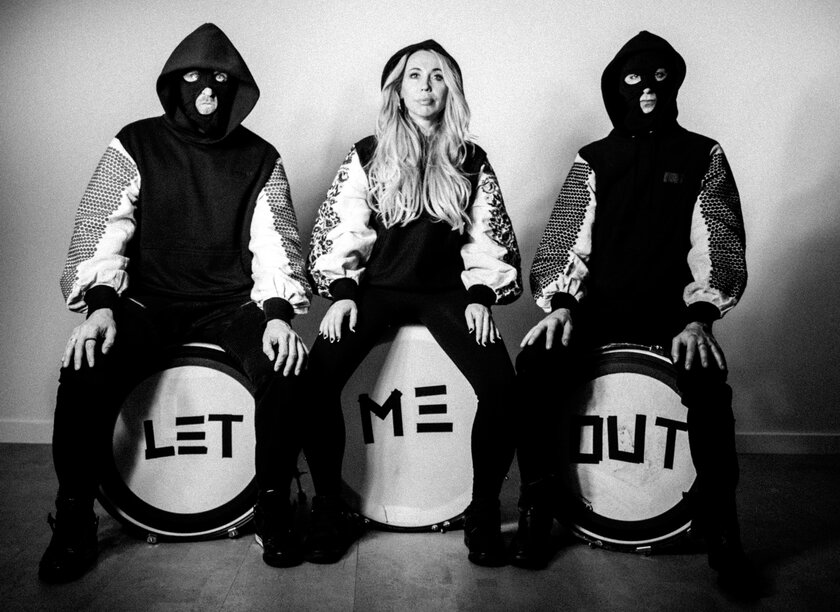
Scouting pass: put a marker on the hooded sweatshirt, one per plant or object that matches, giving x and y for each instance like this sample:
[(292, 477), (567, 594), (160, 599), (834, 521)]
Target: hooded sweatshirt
[(647, 233), (352, 248), (178, 214)]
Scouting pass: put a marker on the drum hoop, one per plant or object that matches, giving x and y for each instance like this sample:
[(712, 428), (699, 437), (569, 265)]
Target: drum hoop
[(142, 518), (651, 361), (632, 534), (631, 358)]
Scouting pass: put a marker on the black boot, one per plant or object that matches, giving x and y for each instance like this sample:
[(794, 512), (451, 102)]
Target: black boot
[(531, 547), (332, 530), (737, 575), (273, 519), (72, 551), (483, 534)]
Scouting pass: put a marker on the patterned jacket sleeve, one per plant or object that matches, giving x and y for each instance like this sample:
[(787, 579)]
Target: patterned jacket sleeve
[(717, 255), (342, 239), (560, 264), (491, 253), (103, 227), (277, 265)]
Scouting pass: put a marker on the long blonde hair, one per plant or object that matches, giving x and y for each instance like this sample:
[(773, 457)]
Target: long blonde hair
[(411, 172)]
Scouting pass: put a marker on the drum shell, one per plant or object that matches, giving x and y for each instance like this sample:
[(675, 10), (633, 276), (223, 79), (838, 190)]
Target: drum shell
[(194, 480), (627, 463), (415, 475)]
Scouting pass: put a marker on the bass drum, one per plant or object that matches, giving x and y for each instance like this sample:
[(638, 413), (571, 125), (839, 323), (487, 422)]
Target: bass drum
[(409, 414), (181, 465), (628, 463)]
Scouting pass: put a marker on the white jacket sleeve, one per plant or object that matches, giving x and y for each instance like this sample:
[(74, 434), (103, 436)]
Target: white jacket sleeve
[(561, 262), (277, 264), (717, 256), (103, 227), (342, 239), (491, 253)]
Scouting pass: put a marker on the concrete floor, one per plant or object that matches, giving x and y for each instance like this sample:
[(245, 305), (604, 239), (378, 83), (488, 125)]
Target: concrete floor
[(790, 521)]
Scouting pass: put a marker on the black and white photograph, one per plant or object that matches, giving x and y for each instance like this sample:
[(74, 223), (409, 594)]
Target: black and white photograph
[(407, 306)]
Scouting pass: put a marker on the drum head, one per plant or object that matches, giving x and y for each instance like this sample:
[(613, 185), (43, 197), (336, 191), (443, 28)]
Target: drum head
[(181, 461), (629, 465), (409, 413)]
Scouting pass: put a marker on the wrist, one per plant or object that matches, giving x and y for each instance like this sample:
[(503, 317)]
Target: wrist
[(561, 299), (278, 308), (99, 297), (481, 294), (344, 289)]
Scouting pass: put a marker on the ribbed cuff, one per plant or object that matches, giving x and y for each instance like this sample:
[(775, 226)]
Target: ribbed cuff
[(702, 312), (278, 308), (344, 289), (564, 300), (101, 296), (482, 294)]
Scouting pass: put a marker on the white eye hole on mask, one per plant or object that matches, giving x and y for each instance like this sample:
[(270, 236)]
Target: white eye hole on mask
[(630, 79), (191, 76), (220, 77), (661, 74)]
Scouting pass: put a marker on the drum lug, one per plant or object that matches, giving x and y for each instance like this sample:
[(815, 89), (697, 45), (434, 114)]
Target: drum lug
[(151, 538), (644, 550), (233, 533), (445, 526), (436, 528)]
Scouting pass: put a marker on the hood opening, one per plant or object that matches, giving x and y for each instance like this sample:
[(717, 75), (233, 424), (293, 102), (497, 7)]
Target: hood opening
[(644, 41), (207, 48)]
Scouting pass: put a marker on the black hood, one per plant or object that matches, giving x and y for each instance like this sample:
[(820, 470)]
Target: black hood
[(210, 49), (642, 42)]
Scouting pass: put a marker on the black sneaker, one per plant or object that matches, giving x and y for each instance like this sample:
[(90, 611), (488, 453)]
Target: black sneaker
[(483, 534), (73, 549), (273, 520), (332, 530)]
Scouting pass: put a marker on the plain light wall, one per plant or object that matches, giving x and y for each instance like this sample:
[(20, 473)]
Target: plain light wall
[(762, 79)]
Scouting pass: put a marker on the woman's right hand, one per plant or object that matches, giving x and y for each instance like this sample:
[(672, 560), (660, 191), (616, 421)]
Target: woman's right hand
[(332, 322)]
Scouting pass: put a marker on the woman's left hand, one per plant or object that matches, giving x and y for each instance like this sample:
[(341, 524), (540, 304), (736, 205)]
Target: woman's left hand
[(480, 322)]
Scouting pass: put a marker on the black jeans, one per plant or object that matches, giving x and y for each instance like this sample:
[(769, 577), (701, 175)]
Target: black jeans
[(710, 421), (487, 368), (89, 398)]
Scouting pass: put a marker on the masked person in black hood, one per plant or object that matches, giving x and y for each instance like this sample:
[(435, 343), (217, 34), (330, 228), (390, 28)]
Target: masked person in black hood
[(185, 233), (645, 245), (414, 229)]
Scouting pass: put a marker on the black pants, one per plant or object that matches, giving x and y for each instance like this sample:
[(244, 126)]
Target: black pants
[(89, 398), (711, 430), (487, 368)]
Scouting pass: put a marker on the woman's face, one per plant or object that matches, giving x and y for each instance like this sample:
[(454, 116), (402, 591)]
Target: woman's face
[(423, 90)]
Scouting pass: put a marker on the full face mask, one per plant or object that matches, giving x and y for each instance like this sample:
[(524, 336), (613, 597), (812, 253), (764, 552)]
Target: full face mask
[(206, 96), (647, 89)]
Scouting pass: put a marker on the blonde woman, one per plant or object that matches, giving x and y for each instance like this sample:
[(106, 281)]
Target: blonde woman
[(414, 229)]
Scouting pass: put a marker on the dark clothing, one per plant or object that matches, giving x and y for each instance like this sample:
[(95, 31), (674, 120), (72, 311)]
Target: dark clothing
[(646, 236), (424, 255), (422, 272), (351, 249), (88, 399), (618, 109), (198, 228), (207, 48), (704, 392), (193, 234), (649, 188), (487, 368)]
